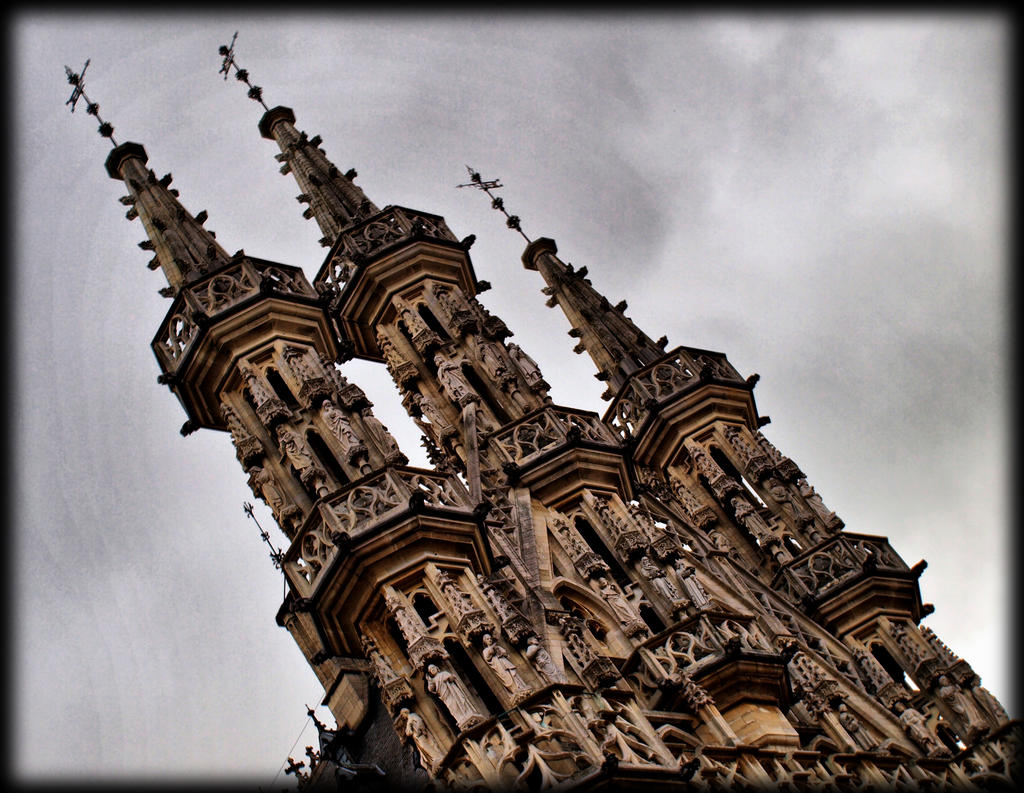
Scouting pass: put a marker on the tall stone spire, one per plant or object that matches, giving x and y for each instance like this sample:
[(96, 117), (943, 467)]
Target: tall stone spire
[(184, 249), (616, 345), (332, 197)]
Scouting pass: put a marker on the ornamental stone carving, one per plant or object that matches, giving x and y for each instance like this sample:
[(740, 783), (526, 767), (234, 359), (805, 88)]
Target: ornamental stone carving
[(450, 690)]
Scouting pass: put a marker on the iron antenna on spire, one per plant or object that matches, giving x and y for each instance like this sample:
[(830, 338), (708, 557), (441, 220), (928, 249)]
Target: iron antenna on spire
[(228, 51), (77, 80), (497, 202)]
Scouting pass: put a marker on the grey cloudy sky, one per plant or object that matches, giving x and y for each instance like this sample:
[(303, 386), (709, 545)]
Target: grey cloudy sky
[(822, 198)]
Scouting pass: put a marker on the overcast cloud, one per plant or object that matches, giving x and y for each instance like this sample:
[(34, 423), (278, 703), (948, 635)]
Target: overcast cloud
[(823, 198)]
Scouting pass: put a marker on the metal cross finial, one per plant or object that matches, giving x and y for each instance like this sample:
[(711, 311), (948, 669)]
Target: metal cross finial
[(229, 56), (512, 221), (276, 555), (92, 108), (228, 51)]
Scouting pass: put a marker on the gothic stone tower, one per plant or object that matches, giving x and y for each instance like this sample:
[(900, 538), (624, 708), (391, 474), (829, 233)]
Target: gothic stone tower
[(656, 597)]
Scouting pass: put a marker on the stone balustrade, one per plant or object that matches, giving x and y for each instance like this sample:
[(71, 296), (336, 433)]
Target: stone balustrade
[(365, 239), (656, 383), (206, 299), (358, 509)]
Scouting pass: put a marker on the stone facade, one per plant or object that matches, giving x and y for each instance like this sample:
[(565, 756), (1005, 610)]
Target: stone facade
[(656, 596)]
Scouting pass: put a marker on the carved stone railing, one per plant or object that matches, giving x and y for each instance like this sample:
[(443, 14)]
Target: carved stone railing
[(822, 569), (547, 429), (557, 739), (367, 238), (358, 509), (203, 301), (681, 369), (700, 641)]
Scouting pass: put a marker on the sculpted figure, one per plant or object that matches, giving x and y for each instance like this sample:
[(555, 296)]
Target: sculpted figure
[(917, 730), (391, 356), (454, 383), (616, 602), (432, 412), (340, 428), (451, 692), (491, 358), (526, 365), (814, 500), (294, 448), (262, 482), (658, 579), (793, 509), (416, 729), (497, 658), (853, 726), (960, 705), (694, 589), (384, 440), (746, 515), (542, 661)]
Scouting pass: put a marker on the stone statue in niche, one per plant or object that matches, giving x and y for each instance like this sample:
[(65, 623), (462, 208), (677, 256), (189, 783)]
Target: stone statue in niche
[(694, 589), (659, 581), (298, 453), (433, 413), (623, 612), (754, 523), (916, 728), (492, 359), (263, 484), (416, 729), (341, 429), (497, 658), (854, 728), (453, 381), (792, 508), (960, 705), (449, 689), (542, 661), (828, 518), (382, 438), (527, 367)]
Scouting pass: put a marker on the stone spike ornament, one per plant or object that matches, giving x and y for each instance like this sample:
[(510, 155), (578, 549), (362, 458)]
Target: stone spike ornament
[(653, 598)]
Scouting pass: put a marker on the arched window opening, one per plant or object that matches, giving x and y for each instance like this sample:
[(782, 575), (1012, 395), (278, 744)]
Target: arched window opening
[(247, 396), (466, 671), (284, 393), (650, 616), (424, 606), (892, 666), (594, 540), (324, 454), (792, 545), (428, 316), (726, 465)]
